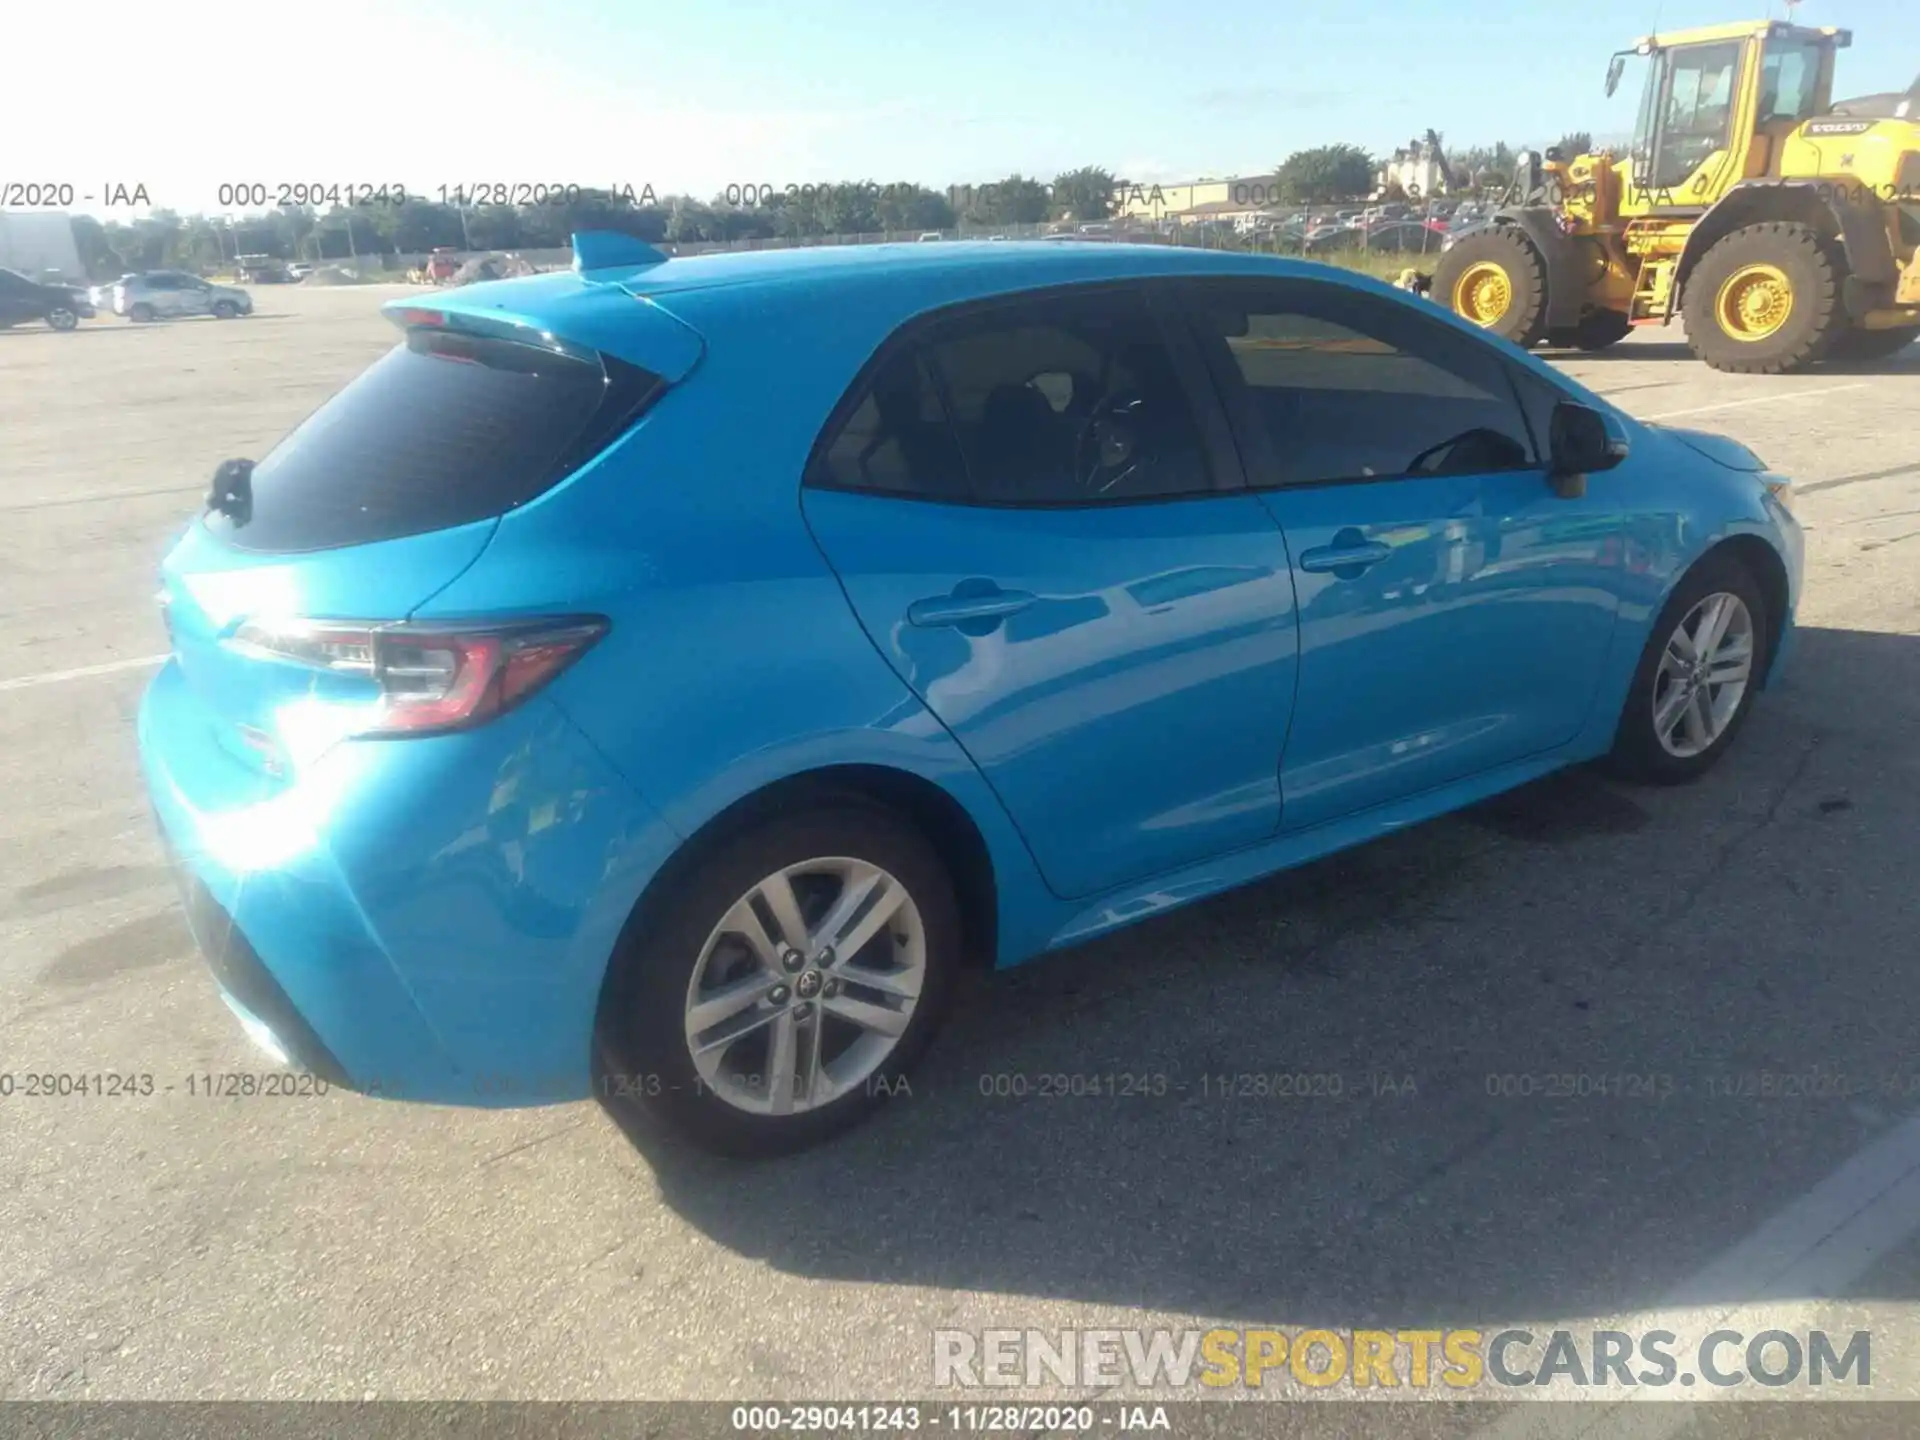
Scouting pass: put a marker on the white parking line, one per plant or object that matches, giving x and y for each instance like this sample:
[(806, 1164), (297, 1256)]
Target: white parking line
[(1759, 400), (1802, 1257), (55, 677)]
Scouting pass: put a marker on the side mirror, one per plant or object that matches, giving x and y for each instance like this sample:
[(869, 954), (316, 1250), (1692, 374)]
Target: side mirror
[(1580, 443), (1616, 67)]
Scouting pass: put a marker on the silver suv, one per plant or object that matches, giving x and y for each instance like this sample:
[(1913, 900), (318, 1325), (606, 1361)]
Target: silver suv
[(159, 294)]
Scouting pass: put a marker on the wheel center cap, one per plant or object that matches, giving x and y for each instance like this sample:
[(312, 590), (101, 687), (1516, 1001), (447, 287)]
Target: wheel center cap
[(808, 985)]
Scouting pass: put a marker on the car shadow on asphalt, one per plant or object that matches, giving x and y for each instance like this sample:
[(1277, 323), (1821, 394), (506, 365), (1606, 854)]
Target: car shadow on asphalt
[(1503, 1064)]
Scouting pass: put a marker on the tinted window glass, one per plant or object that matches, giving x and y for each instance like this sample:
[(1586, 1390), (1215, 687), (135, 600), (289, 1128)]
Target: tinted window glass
[(1069, 399), (1789, 77), (1339, 386), (445, 429), (896, 440)]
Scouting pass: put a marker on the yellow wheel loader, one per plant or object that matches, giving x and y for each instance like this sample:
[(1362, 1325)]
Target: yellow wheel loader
[(1782, 228)]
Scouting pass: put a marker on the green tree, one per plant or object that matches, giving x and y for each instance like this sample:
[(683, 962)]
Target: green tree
[(98, 258), (421, 225), (1328, 172), (691, 220), (149, 243), (495, 227), (1488, 168), (1015, 200), (1084, 194), (914, 207)]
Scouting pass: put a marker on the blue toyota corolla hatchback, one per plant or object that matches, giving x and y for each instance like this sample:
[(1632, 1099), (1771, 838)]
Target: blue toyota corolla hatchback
[(657, 681)]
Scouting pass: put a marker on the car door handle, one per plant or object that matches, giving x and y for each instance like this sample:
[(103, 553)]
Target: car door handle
[(968, 609), (1355, 556)]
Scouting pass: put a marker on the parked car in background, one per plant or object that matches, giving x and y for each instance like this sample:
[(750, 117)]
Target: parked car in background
[(1334, 237), (932, 235), (60, 306), (170, 294), (299, 270), (534, 730), (101, 296), (261, 269), (1408, 235)]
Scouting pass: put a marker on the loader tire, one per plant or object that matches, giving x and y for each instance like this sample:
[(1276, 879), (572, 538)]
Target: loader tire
[(1596, 331), (1870, 344), (1764, 300), (1496, 279)]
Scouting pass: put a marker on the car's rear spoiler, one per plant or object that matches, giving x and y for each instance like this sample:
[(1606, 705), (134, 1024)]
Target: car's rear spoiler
[(567, 307)]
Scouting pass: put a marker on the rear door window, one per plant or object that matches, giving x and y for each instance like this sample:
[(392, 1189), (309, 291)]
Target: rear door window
[(1070, 399), (895, 440), (446, 429)]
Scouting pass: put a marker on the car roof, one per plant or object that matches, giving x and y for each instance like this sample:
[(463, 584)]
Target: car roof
[(867, 290), (900, 278), (982, 267)]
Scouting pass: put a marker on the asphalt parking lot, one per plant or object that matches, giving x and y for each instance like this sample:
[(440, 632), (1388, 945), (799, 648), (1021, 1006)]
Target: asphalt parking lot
[(1765, 920)]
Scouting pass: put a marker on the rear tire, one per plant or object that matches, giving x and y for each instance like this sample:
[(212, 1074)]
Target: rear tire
[(1596, 331), (1870, 344), (1497, 280), (1639, 750), (1764, 300), (692, 954), (61, 318)]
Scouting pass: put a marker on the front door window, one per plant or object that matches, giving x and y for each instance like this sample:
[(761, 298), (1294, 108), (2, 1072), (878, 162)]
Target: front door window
[(1694, 110)]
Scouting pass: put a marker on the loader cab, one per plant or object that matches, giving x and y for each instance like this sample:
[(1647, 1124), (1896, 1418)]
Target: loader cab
[(1715, 107)]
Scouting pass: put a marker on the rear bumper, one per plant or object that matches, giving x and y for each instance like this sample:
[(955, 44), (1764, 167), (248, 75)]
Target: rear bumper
[(424, 919)]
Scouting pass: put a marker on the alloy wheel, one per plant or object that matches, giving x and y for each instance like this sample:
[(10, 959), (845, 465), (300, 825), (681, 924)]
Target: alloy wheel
[(806, 986), (1703, 675)]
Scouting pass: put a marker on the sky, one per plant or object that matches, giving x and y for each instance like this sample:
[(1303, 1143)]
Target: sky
[(694, 97)]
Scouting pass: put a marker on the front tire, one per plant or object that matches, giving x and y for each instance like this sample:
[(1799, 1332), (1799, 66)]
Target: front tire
[(61, 318), (788, 983), (1764, 300), (1497, 280), (141, 313), (225, 310), (1697, 678)]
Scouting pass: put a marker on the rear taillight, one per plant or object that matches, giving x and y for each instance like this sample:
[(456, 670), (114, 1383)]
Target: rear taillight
[(428, 679)]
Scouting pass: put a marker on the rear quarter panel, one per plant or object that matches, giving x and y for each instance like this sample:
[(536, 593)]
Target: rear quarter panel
[(733, 660)]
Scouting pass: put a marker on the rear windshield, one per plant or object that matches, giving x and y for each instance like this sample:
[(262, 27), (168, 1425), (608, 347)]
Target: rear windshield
[(445, 429)]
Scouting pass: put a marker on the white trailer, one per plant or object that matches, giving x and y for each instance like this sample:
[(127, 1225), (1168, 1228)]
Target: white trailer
[(40, 245)]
